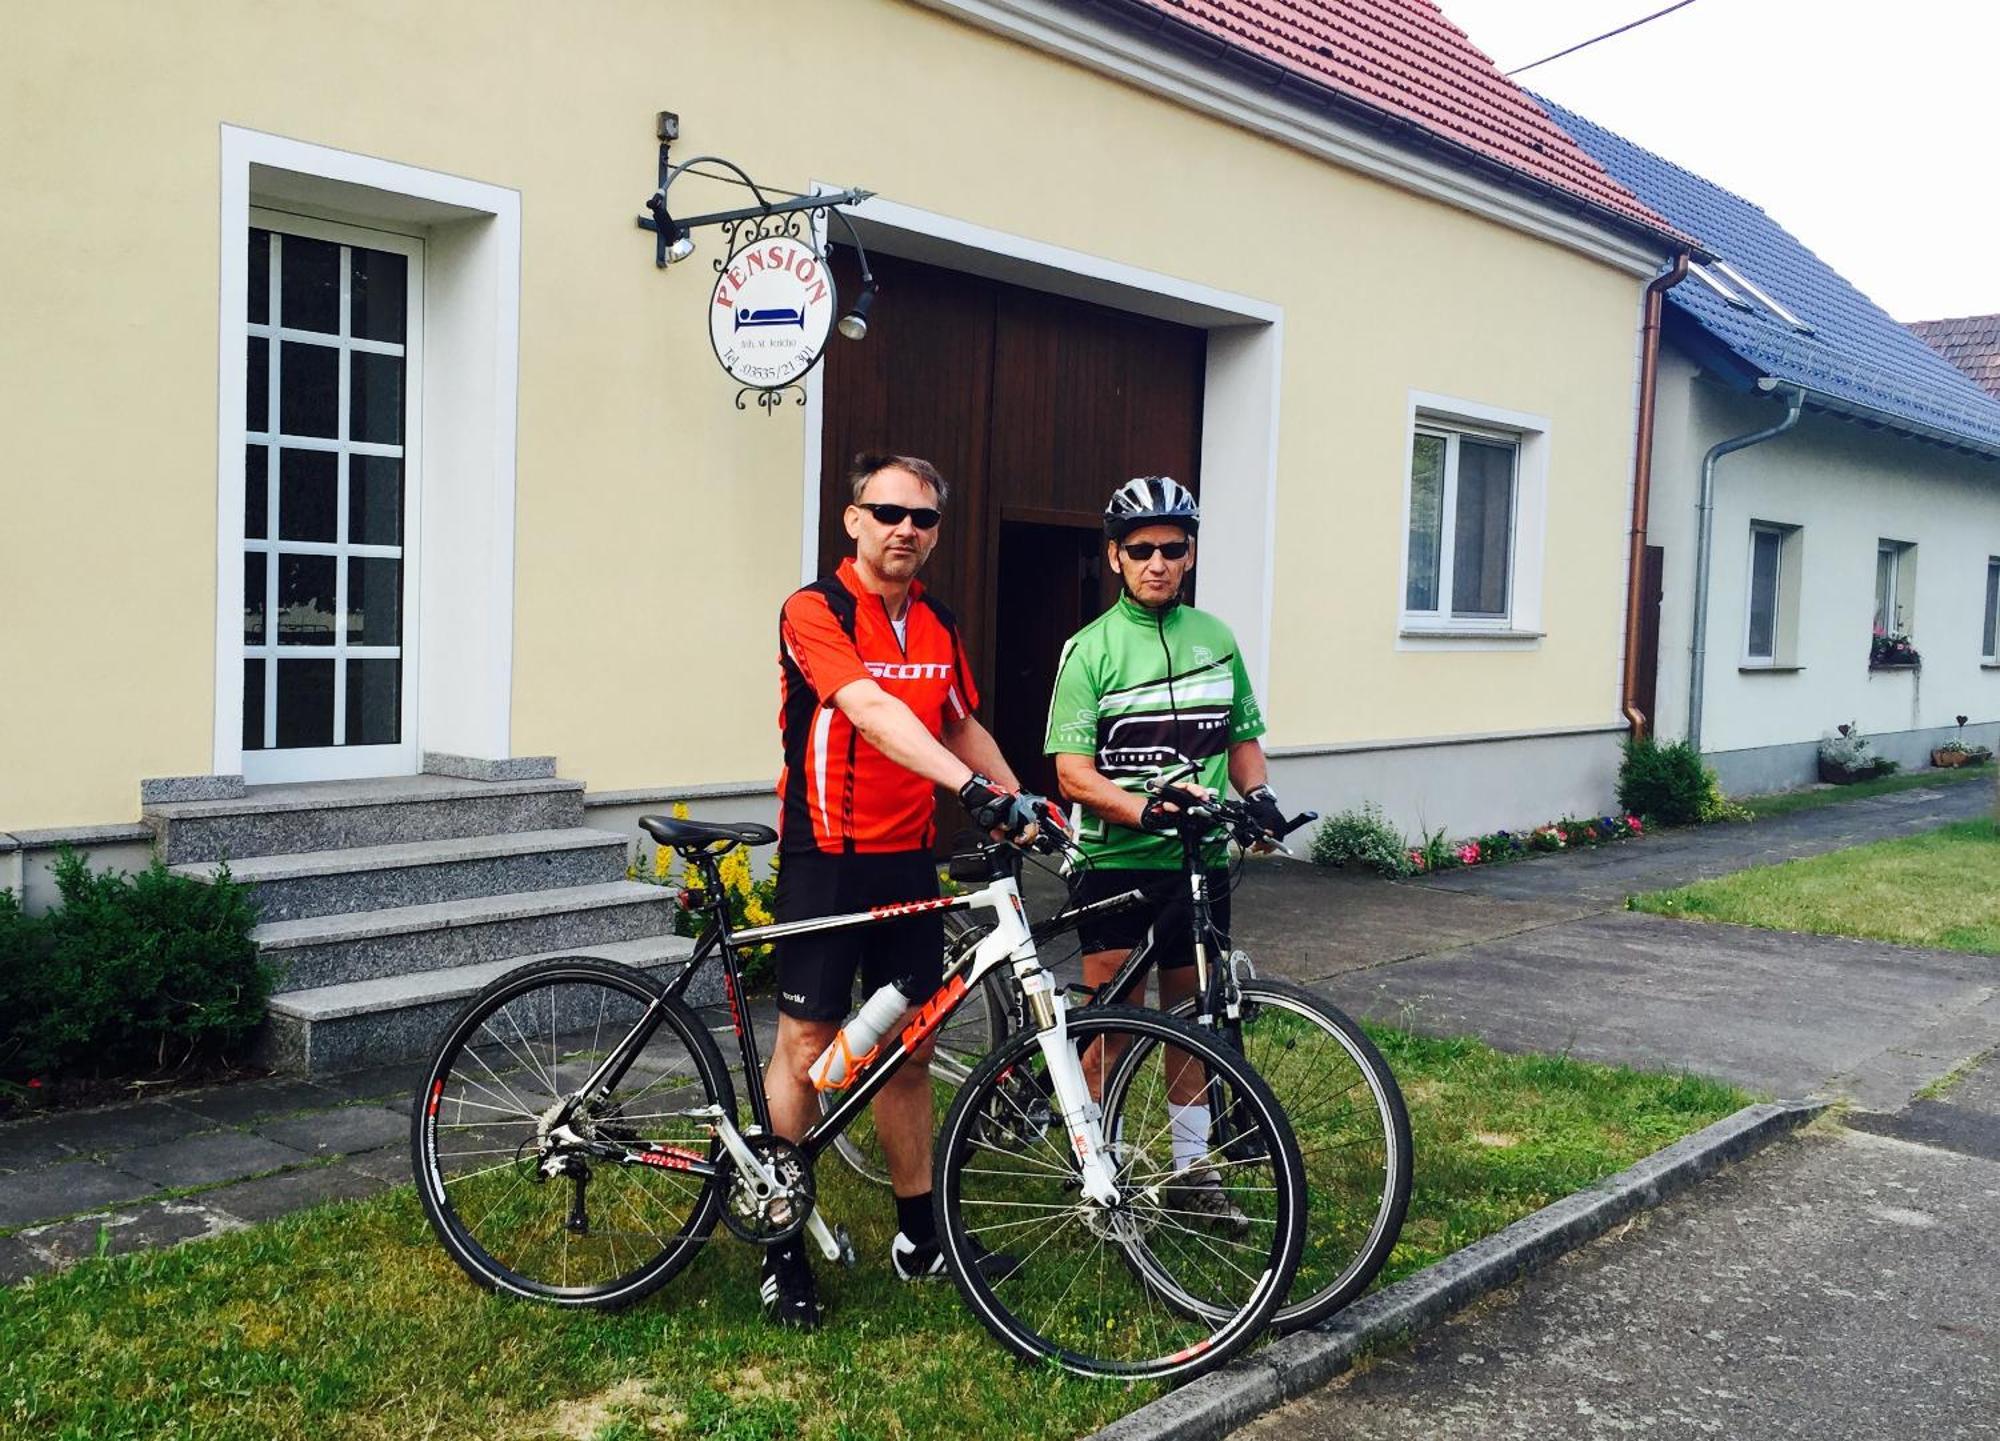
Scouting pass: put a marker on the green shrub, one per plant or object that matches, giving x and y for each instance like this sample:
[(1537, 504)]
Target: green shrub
[(1669, 784), (1362, 837), (147, 971)]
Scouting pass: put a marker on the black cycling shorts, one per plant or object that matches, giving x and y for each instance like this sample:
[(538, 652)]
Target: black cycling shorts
[(1170, 918), (816, 973)]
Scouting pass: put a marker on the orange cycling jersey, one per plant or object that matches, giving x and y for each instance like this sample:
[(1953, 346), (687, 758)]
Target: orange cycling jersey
[(837, 792)]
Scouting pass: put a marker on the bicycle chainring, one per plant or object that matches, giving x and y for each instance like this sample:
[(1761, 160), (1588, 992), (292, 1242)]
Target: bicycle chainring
[(766, 1220)]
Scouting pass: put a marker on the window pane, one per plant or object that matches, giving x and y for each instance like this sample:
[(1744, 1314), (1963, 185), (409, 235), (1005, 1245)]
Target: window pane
[(1483, 529), (308, 494), (374, 702), (310, 279), (260, 280), (308, 389), (375, 403), (1426, 522), (1764, 548), (256, 492), (374, 596), (253, 597), (380, 284), (1992, 606), (305, 703), (253, 705), (1885, 590), (305, 601), (257, 385), (374, 500)]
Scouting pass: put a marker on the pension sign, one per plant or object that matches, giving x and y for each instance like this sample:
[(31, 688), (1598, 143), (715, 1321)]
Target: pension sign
[(771, 311)]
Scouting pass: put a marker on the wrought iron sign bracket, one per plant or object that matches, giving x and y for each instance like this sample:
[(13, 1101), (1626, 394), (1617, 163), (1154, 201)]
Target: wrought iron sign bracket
[(776, 306)]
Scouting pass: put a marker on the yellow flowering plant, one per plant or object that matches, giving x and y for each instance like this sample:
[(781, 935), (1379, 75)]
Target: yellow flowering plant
[(749, 899)]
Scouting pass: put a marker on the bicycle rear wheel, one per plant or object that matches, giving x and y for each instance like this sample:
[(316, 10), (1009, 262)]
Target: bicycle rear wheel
[(1353, 1133), (973, 1030), (1106, 1290), (596, 1232)]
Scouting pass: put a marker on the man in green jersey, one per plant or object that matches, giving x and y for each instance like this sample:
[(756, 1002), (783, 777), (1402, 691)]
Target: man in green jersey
[(1150, 684)]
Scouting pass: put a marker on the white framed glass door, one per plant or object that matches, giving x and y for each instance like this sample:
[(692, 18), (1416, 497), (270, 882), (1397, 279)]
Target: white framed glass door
[(333, 340)]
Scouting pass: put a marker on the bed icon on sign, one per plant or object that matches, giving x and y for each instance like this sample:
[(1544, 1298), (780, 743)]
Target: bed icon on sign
[(750, 319)]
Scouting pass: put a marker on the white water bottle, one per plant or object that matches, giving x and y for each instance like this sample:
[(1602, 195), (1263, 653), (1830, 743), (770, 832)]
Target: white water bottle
[(838, 1065)]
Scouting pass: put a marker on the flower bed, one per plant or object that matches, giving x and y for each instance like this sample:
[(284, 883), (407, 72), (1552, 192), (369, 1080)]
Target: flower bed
[(1567, 834)]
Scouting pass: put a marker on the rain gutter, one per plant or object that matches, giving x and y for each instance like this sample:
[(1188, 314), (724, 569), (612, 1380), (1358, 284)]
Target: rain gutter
[(1642, 480)]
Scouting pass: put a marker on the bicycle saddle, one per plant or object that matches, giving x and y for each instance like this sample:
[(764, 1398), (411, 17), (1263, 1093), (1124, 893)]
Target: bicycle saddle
[(672, 831)]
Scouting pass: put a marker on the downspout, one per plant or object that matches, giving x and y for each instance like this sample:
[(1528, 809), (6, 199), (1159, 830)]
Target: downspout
[(1795, 400), (1642, 479)]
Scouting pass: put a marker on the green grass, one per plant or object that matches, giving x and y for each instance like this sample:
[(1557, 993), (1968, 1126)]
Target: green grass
[(350, 1321), (1940, 889), (1785, 802)]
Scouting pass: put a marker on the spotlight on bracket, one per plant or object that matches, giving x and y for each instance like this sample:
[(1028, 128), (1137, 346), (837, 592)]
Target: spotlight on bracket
[(854, 324), (679, 243)]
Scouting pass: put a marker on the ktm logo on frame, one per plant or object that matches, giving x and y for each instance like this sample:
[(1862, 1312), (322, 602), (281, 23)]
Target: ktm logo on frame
[(908, 670)]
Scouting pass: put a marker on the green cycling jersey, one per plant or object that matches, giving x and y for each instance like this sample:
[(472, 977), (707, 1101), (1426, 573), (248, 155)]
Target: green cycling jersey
[(1138, 690)]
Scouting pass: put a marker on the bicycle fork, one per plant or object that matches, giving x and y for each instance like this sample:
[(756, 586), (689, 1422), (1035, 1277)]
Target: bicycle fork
[(1082, 1117)]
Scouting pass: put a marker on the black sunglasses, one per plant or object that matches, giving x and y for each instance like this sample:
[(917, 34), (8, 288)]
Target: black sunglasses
[(1142, 550), (921, 516)]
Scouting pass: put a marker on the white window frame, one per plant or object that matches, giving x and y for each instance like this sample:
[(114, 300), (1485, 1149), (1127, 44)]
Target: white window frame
[(1452, 416), (1785, 599), (1989, 619), (1902, 619)]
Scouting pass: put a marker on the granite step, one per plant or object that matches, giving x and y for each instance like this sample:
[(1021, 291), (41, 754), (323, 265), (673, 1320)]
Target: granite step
[(402, 1018), (408, 873), (317, 951), (331, 815)]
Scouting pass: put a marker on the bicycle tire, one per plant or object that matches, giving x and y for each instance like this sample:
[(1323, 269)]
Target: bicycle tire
[(969, 1035), (1356, 1148), (1119, 1308), (486, 1091)]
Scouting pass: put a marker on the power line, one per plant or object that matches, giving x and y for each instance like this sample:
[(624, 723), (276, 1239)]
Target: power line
[(1585, 44)]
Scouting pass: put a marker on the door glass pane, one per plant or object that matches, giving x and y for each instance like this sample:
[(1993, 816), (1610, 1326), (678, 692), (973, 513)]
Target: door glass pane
[(256, 492), (305, 601), (375, 398), (380, 283), (374, 500), (373, 601), (1992, 607), (260, 277), (253, 705), (308, 494), (305, 703), (309, 272), (1764, 548), (257, 384), (254, 571), (1426, 522), (1483, 528), (308, 389), (374, 702)]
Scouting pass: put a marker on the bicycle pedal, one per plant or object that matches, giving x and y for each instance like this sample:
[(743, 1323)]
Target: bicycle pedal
[(845, 1241)]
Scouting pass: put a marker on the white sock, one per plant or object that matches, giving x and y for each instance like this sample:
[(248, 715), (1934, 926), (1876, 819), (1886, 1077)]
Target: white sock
[(1189, 1125)]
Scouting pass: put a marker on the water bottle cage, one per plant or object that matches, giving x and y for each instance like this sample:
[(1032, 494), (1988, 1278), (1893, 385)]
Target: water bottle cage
[(851, 1065)]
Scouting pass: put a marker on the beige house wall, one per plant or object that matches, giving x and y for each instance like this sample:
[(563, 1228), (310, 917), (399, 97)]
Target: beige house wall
[(647, 505)]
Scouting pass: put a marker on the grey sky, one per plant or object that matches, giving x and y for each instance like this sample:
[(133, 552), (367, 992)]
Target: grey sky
[(1867, 130)]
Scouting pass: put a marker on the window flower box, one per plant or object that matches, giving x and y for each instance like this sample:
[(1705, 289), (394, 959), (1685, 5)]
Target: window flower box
[(1893, 652)]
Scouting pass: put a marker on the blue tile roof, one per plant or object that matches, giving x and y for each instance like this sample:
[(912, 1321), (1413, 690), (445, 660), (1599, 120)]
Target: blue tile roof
[(1857, 361)]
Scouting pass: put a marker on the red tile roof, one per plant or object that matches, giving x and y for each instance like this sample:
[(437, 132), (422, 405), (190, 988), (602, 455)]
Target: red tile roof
[(1404, 60), (1970, 342)]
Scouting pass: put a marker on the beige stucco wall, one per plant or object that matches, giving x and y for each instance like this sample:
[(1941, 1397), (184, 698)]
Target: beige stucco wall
[(646, 503)]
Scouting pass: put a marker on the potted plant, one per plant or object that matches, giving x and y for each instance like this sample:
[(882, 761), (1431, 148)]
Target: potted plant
[(1958, 752), (1845, 757), (1892, 652)]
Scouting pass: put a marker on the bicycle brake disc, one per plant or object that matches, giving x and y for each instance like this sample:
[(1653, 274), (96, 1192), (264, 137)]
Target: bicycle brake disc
[(767, 1219)]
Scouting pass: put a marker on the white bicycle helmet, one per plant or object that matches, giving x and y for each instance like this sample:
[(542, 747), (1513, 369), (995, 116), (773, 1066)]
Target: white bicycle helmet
[(1150, 500)]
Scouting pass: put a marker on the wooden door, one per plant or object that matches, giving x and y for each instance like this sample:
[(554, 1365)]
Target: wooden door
[(1645, 691)]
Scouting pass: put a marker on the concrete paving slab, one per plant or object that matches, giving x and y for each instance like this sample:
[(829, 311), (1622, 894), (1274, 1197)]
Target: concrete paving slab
[(1777, 1013), (118, 1128), (339, 1132), (376, 1083), (38, 1141), (247, 1101), (272, 1196), (115, 1233), (204, 1160), (64, 1190), (1839, 1289), (17, 1262), (390, 1164)]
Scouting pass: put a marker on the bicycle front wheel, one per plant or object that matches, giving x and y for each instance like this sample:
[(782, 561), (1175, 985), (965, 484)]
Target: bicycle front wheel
[(1353, 1133), (543, 1211), (1155, 1286)]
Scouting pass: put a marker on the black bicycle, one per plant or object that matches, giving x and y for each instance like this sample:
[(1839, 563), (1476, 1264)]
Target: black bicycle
[(577, 1139), (1337, 1091)]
